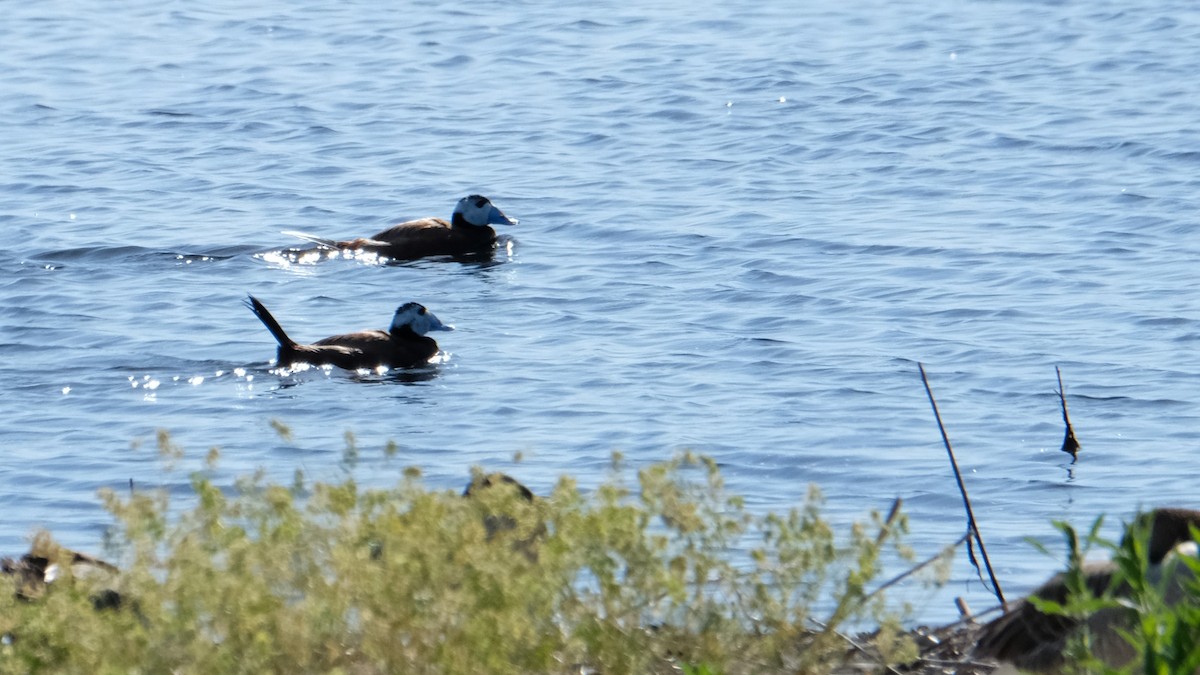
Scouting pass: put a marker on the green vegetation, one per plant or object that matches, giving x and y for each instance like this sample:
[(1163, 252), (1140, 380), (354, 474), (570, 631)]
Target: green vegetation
[(331, 577), (1157, 608)]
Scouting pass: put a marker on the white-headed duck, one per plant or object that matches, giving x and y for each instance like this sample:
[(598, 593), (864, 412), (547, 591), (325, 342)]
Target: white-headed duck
[(35, 571), (467, 232), (1025, 638), (509, 510), (404, 345)]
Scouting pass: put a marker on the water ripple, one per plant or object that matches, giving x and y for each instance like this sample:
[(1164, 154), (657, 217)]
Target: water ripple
[(741, 227)]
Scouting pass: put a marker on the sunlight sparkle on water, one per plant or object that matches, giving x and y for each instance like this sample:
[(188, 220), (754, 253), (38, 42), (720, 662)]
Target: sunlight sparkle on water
[(146, 382), (367, 257)]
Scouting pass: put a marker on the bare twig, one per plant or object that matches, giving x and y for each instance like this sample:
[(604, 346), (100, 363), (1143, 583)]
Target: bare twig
[(962, 488), (963, 608), (853, 598), (886, 529), (913, 570), (1070, 444), (859, 647)]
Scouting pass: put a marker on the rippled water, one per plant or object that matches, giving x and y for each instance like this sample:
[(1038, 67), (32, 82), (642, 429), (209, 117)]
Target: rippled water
[(742, 226)]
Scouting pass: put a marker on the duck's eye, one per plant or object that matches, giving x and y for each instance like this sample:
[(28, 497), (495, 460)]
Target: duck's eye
[(480, 202)]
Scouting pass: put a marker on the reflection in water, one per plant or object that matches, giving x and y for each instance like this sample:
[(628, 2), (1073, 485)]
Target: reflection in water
[(288, 257), (287, 378)]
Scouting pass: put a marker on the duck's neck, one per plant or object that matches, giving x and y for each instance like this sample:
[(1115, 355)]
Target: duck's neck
[(458, 220), (405, 333)]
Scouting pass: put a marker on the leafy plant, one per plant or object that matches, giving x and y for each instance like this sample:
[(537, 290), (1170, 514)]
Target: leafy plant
[(1158, 609), (671, 574)]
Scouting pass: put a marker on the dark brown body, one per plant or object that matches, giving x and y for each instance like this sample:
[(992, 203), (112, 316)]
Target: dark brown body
[(467, 233), (33, 572), (509, 510), (397, 348), (427, 237), (1033, 641)]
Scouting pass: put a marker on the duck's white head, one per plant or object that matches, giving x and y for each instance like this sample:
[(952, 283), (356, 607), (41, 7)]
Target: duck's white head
[(1188, 548), (417, 318), (478, 210)]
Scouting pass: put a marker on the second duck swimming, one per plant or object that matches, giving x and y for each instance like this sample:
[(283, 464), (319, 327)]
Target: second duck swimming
[(404, 345), (468, 232)]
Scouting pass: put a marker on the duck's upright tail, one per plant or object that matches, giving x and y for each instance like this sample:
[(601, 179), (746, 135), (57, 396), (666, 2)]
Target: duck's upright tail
[(312, 238), (285, 343)]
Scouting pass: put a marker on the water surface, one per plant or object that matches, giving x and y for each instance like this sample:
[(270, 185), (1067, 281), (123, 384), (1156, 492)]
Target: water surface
[(742, 226)]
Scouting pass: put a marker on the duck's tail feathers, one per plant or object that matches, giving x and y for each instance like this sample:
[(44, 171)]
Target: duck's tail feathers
[(313, 239), (269, 321)]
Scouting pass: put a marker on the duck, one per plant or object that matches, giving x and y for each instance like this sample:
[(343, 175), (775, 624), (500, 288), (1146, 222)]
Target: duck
[(1026, 639), (34, 572), (468, 232), (404, 345), (509, 511)]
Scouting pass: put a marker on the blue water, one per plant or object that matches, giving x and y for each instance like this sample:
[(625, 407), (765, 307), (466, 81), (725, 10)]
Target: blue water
[(742, 226)]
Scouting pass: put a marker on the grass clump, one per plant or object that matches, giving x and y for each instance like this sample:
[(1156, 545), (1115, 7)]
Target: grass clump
[(1152, 607), (331, 577)]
